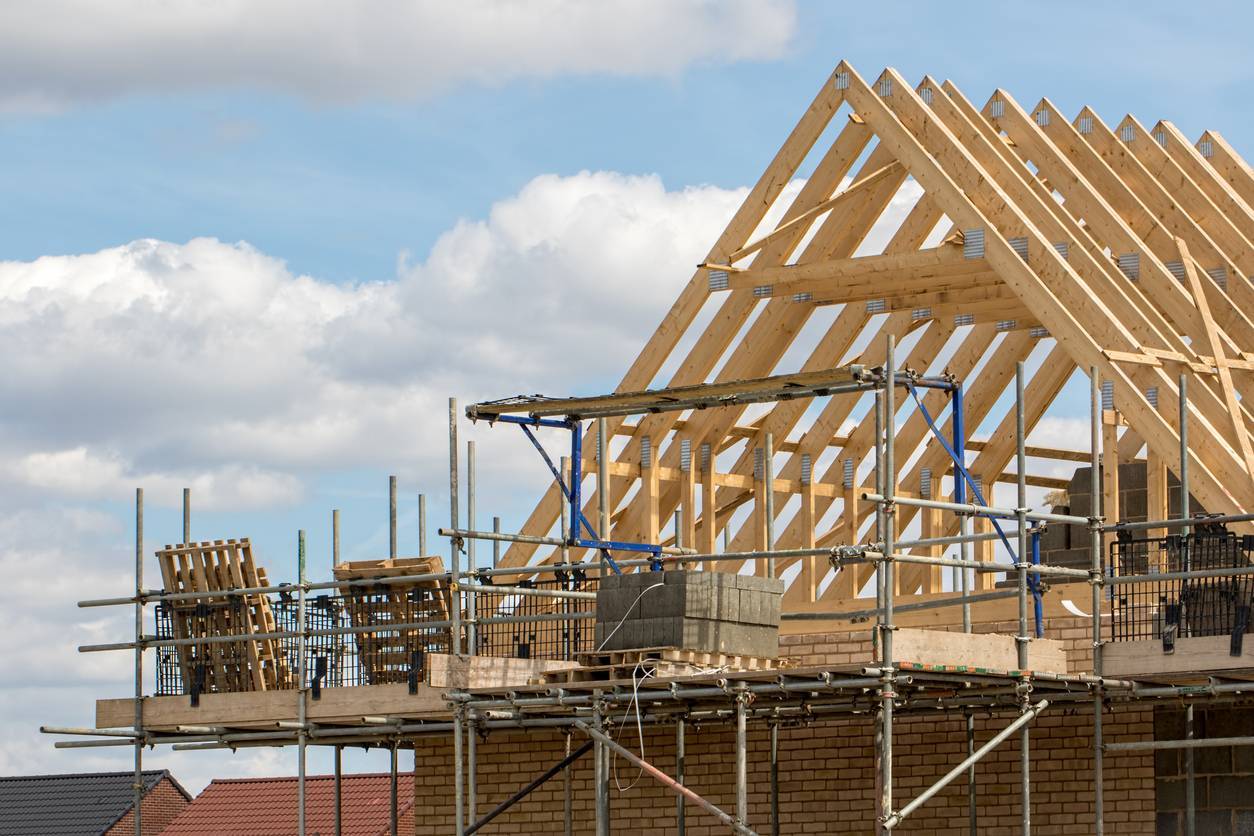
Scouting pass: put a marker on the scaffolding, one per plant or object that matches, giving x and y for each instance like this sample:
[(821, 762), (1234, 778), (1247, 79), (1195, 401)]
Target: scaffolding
[(880, 691)]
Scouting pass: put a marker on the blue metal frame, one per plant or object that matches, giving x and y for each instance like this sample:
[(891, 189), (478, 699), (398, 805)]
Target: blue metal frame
[(572, 493), (1034, 582)]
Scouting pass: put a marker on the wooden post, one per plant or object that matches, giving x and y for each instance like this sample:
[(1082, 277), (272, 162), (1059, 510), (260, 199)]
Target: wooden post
[(649, 485), (1155, 492), (709, 513), (810, 574), (759, 509), (1110, 468), (932, 526), (687, 497)]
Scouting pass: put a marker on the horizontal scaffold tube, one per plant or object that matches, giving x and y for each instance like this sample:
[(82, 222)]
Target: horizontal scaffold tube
[(981, 566), (937, 604), (1196, 743), (977, 510), (1179, 523)]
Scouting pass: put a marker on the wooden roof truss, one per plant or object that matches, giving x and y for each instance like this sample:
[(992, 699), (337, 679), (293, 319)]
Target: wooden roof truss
[(1066, 244)]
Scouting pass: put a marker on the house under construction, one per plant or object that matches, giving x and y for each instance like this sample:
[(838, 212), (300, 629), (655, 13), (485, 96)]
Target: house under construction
[(803, 571)]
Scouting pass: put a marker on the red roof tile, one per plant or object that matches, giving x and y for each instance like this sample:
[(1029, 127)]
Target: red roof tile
[(267, 807)]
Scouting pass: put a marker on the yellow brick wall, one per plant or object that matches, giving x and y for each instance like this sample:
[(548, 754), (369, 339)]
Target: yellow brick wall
[(827, 773)]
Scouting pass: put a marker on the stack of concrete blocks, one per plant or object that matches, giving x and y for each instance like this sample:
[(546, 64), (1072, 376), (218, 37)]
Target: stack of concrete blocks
[(714, 612), (1068, 545)]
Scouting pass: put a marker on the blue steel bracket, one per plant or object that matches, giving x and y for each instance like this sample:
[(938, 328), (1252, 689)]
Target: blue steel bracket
[(577, 514)]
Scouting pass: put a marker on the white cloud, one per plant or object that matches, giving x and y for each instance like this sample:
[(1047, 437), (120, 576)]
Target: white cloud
[(54, 52), (212, 365)]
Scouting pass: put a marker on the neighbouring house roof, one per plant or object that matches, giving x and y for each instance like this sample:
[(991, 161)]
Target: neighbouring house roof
[(69, 805), (267, 807)]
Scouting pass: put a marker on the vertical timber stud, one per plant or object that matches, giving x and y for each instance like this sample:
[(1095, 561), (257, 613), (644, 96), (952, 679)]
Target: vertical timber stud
[(709, 512), (687, 522), (768, 479), (187, 515), (651, 488), (1021, 638), (759, 509), (810, 572), (1095, 581), (302, 696), (138, 786)]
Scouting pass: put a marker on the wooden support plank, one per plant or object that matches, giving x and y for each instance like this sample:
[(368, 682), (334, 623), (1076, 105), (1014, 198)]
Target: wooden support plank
[(809, 215), (1194, 655), (976, 650)]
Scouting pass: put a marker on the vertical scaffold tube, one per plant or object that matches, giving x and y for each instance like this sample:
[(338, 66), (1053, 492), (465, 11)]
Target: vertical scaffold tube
[(1021, 638), (679, 775), (301, 674), (742, 754), (138, 787), (455, 564), (887, 687), (1095, 554)]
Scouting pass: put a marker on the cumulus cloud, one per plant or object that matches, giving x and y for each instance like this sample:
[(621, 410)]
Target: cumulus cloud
[(56, 52), (211, 364)]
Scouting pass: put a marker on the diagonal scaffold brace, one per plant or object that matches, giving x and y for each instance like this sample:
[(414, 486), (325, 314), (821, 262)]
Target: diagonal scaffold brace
[(665, 780), (1022, 720)]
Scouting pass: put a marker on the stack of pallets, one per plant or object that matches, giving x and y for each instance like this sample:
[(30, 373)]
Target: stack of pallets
[(653, 661), (386, 653), (244, 665)]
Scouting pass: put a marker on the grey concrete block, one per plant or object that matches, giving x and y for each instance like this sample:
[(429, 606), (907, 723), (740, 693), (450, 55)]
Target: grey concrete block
[(700, 601), (757, 584), (728, 599), (700, 634)]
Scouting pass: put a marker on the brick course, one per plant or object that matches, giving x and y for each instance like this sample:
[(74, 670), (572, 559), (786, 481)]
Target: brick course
[(162, 803), (827, 771)]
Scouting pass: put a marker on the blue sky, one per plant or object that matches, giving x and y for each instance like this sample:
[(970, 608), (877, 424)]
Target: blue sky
[(415, 184)]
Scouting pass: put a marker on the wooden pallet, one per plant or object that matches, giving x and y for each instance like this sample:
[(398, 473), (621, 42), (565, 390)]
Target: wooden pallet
[(386, 655), (247, 665), (654, 661)]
